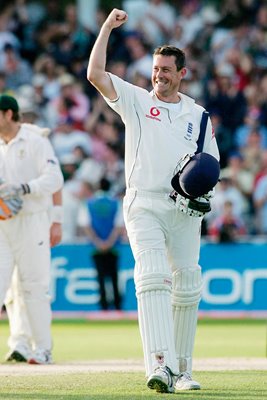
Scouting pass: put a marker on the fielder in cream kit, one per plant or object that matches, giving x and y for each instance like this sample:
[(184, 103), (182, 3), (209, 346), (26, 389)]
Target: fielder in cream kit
[(165, 241), (29, 169)]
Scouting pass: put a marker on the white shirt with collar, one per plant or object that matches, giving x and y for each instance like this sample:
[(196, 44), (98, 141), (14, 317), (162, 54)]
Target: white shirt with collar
[(157, 135), (29, 158)]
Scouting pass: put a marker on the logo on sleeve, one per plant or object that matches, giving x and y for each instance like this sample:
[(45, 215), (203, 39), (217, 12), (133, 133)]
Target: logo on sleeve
[(189, 131), (154, 113)]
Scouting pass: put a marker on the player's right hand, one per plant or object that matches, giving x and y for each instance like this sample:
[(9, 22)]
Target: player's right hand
[(116, 18)]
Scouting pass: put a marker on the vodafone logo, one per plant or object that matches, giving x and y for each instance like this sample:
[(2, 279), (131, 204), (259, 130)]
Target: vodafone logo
[(153, 113)]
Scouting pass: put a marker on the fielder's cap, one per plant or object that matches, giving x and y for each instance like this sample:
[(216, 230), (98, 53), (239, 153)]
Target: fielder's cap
[(8, 103), (198, 177)]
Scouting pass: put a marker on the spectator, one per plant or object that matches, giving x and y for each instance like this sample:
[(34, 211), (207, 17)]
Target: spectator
[(66, 138), (251, 123), (46, 65), (223, 137), (17, 70), (103, 224), (190, 21), (223, 97), (240, 177), (226, 190), (252, 152), (71, 105), (156, 22), (141, 59), (227, 228), (260, 204)]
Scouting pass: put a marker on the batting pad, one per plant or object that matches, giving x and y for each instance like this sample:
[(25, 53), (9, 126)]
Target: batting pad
[(186, 293), (153, 291)]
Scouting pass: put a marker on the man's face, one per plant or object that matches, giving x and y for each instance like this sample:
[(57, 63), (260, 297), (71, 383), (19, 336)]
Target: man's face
[(4, 121), (8, 127), (165, 77)]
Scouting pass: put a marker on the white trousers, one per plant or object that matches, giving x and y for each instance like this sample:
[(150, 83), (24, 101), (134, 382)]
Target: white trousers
[(25, 242), (163, 241), (19, 328)]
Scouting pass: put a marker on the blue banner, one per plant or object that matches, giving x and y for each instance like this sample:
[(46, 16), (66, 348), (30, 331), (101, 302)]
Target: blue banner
[(235, 278)]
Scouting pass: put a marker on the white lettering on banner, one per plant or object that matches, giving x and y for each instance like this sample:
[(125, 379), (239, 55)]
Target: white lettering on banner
[(80, 280), (57, 272), (124, 276), (250, 277), (77, 283), (215, 274), (242, 285), (80, 285)]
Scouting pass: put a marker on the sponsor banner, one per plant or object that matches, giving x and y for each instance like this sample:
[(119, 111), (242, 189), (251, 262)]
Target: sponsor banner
[(235, 278)]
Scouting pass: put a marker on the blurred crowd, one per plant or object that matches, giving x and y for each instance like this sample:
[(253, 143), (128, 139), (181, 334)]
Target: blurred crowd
[(44, 52)]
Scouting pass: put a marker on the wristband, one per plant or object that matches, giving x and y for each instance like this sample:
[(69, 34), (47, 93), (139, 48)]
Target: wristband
[(57, 215), (25, 189)]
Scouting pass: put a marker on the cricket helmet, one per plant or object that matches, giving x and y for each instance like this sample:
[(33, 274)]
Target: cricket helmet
[(196, 176)]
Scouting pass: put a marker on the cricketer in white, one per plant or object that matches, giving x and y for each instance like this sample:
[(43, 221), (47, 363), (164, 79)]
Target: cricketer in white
[(27, 158), (161, 127)]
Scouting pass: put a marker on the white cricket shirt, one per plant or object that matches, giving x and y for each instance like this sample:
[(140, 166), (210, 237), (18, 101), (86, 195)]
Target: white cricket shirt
[(156, 136), (29, 158)]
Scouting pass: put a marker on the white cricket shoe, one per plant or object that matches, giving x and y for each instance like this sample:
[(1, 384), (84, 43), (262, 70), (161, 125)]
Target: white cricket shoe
[(161, 380), (185, 382), (41, 357), (19, 354)]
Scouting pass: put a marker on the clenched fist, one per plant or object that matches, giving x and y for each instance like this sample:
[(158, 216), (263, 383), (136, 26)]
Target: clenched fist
[(116, 18)]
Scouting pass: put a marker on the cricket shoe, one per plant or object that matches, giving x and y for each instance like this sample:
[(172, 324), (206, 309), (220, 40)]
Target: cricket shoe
[(19, 354), (41, 357), (162, 380), (185, 382)]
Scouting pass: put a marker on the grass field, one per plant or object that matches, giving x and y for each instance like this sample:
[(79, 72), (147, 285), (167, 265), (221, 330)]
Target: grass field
[(85, 341)]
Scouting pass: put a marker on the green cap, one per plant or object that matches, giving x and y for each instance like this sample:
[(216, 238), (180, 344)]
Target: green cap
[(8, 103)]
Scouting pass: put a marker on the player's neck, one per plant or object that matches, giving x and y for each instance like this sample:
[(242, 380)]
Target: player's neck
[(174, 98), (8, 133)]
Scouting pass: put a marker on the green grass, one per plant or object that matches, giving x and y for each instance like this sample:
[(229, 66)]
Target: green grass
[(87, 340), (95, 340), (236, 385)]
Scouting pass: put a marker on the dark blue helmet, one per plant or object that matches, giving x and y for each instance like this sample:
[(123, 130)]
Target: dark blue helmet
[(199, 175)]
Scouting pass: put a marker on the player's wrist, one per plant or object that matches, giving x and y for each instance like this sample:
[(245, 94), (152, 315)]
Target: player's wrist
[(57, 216), (24, 189)]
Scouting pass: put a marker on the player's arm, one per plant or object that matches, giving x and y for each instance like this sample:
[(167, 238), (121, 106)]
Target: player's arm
[(57, 219), (112, 239), (96, 71)]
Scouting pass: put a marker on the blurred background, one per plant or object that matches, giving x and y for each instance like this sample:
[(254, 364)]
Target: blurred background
[(44, 50)]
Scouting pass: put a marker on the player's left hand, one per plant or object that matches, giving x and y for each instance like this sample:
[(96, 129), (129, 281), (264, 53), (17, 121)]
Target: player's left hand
[(9, 208), (10, 191)]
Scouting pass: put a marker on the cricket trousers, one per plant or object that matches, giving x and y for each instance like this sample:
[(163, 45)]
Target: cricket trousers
[(165, 244), (25, 242)]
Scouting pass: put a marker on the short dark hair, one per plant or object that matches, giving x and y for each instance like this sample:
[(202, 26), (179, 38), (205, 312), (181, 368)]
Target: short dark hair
[(167, 50), (16, 117), (104, 184)]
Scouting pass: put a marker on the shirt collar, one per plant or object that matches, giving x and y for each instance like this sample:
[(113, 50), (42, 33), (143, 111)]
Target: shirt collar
[(186, 102), (21, 135)]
